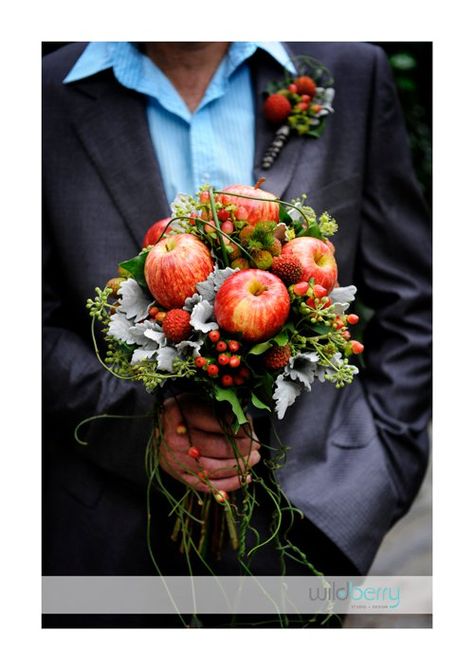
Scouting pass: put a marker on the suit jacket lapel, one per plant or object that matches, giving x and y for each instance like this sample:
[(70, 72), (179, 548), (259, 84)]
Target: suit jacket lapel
[(114, 131), (278, 178)]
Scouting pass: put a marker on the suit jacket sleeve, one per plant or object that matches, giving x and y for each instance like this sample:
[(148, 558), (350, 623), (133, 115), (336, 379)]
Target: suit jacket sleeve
[(77, 387), (393, 277)]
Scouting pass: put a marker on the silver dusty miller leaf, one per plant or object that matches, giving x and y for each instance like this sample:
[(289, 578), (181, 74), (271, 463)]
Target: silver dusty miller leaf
[(134, 303), (285, 395)]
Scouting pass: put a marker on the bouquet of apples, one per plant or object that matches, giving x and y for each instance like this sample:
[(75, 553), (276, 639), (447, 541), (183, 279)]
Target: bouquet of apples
[(236, 295)]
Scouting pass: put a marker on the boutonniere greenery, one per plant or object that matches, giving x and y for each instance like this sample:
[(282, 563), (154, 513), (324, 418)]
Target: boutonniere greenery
[(300, 103)]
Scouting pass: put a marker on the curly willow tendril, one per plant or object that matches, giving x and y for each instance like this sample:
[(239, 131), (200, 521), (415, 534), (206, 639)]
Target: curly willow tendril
[(201, 523)]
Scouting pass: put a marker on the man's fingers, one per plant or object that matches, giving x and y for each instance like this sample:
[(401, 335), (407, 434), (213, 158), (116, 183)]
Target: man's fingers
[(199, 415), (215, 445), (226, 484), (211, 445), (214, 467), (219, 468)]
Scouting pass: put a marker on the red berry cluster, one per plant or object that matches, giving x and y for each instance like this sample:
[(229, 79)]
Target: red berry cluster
[(225, 363), (296, 98), (315, 299)]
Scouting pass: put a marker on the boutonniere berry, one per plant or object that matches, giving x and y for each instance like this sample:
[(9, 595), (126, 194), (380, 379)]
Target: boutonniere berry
[(298, 104)]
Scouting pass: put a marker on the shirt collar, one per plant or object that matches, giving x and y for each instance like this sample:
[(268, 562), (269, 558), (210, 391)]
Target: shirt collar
[(136, 71)]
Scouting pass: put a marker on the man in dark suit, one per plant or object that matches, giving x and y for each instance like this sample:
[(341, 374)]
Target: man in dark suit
[(358, 455)]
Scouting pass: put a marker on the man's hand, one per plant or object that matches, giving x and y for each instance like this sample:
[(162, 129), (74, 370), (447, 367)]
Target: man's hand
[(204, 432)]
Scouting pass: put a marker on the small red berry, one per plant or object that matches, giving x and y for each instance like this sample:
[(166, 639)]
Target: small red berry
[(316, 108), (292, 88), (153, 311), (241, 214), (239, 380), (357, 347), (227, 227), (200, 361), (305, 86), (221, 496), (227, 380), (223, 359), (300, 288), (203, 474), (160, 316), (193, 452), (319, 291), (233, 345), (352, 319), (338, 323), (221, 346), (222, 215), (310, 302), (244, 372), (212, 370), (305, 98), (214, 336), (346, 334), (302, 106), (234, 361)]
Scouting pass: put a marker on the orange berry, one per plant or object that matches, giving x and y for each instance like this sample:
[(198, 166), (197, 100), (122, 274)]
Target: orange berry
[(357, 347), (221, 496)]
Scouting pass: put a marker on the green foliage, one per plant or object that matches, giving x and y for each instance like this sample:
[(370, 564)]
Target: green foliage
[(411, 63), (136, 267), (230, 396)]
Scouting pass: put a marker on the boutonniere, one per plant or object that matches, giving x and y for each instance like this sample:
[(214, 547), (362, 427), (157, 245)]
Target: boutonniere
[(298, 104)]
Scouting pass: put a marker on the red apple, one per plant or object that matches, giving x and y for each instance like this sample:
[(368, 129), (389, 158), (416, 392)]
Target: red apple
[(317, 260), (252, 211), (253, 303), (154, 232), (174, 266)]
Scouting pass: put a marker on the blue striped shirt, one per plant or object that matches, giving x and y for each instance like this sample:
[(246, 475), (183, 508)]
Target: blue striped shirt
[(215, 143)]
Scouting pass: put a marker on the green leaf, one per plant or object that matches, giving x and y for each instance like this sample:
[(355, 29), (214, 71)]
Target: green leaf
[(312, 231), (231, 397), (267, 384), (260, 348), (321, 330), (136, 267), (256, 402), (281, 338), (284, 216)]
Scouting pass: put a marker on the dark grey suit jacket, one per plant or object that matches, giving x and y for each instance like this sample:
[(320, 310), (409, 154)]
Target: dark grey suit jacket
[(358, 455)]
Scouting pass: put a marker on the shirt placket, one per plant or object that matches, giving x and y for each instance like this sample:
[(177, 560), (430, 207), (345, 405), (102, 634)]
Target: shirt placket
[(201, 143)]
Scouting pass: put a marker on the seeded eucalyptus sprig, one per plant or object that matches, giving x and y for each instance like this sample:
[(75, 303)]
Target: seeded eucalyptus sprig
[(99, 307)]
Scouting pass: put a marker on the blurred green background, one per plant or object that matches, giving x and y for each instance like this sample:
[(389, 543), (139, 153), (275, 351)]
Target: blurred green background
[(412, 68), (412, 65)]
